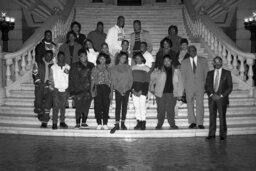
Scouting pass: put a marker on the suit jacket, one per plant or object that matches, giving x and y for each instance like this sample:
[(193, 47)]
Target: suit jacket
[(194, 82), (225, 84), (65, 48), (144, 37)]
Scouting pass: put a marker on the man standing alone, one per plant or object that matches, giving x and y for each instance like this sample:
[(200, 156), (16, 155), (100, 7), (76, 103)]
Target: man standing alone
[(115, 36), (194, 71), (218, 87)]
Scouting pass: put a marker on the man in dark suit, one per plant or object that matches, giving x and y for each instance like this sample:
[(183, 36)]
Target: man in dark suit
[(218, 87)]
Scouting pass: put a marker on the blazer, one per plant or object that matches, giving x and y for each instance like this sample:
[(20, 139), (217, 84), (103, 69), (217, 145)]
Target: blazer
[(144, 37), (225, 84), (194, 82), (158, 79), (65, 48)]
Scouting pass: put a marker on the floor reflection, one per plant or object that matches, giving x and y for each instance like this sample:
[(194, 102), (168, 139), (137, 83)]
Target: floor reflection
[(21, 152)]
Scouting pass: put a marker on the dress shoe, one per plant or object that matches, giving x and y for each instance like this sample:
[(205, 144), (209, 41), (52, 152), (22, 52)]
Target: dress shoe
[(210, 137), (192, 126), (44, 125), (174, 127), (54, 126), (200, 126), (123, 127), (116, 127), (158, 127), (222, 138), (63, 125)]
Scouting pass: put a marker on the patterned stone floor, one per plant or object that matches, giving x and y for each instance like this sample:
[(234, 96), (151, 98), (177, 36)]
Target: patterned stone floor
[(20, 152)]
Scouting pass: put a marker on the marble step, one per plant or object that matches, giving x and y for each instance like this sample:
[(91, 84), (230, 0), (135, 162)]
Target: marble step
[(151, 113), (232, 102), (128, 135), (130, 122)]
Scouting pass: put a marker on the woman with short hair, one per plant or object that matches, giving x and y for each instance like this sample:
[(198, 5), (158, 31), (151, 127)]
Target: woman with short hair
[(101, 90)]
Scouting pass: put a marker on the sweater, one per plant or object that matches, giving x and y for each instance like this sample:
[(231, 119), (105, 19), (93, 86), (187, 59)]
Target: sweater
[(121, 76), (141, 78), (59, 77)]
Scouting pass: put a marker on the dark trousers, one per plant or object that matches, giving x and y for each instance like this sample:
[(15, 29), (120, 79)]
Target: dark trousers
[(43, 102), (82, 108), (166, 104), (221, 107), (121, 101), (101, 104), (59, 104)]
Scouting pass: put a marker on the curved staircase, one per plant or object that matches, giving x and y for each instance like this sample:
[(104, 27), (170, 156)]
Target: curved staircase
[(17, 117)]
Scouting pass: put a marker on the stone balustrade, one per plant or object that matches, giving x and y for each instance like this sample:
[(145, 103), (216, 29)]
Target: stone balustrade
[(20, 63), (240, 63)]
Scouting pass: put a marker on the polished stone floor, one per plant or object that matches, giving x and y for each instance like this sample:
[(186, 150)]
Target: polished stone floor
[(21, 152)]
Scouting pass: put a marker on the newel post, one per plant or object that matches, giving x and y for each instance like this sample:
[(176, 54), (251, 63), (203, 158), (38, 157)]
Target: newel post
[(2, 89)]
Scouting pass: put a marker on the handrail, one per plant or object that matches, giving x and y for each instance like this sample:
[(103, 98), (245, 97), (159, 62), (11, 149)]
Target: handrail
[(19, 64), (239, 62)]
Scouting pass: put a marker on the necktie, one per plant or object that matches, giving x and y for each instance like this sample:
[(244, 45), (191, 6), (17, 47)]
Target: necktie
[(216, 81), (194, 66)]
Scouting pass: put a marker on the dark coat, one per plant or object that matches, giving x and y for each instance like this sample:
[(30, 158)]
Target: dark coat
[(225, 84), (82, 80), (40, 51)]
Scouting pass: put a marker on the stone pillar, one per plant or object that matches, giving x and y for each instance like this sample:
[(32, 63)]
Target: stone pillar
[(2, 89)]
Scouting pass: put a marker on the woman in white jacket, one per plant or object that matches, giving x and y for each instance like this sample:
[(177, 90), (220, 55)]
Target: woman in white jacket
[(167, 86)]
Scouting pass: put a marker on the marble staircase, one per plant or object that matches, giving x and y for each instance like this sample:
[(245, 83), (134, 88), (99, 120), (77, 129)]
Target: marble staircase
[(17, 116)]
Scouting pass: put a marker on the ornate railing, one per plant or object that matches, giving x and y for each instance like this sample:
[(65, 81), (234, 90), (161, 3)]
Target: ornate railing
[(18, 65), (240, 63)]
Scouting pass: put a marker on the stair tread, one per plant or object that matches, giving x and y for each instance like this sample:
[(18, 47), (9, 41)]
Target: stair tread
[(150, 132)]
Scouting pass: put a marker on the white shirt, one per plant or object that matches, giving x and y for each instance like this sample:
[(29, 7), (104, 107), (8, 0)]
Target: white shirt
[(214, 77), (92, 56), (60, 77), (149, 59), (114, 39), (191, 61)]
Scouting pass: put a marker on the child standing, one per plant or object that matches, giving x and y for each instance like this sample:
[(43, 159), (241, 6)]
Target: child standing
[(43, 95), (140, 85), (59, 80)]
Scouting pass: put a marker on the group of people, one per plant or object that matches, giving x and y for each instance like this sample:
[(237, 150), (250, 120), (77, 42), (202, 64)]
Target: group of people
[(96, 66)]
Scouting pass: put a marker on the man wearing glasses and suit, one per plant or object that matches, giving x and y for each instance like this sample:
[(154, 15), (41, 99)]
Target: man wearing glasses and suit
[(218, 87)]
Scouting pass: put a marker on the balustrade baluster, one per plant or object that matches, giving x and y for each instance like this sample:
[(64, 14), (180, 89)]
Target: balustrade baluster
[(229, 60), (250, 63), (235, 64), (9, 62), (29, 65), (224, 55), (219, 49), (212, 42), (16, 68), (241, 68), (216, 50), (23, 64)]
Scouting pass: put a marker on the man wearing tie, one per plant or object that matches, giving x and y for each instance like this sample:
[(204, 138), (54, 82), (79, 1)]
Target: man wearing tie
[(218, 87), (194, 71)]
